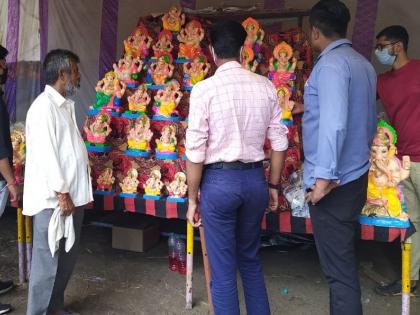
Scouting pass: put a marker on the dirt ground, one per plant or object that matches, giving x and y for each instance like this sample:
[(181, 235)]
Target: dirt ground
[(115, 282)]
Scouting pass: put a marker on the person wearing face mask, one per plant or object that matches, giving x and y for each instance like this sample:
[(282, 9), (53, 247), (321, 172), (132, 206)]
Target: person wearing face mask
[(339, 124), (399, 91), (57, 184), (231, 114)]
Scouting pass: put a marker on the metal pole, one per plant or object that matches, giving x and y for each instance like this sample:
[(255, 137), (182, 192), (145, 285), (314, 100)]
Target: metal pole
[(406, 286), (190, 251), (21, 250)]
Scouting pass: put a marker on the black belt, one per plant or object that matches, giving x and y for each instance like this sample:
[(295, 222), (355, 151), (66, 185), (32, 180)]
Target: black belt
[(234, 165)]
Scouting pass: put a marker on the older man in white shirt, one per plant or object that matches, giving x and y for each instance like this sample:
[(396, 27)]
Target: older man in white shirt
[(57, 184)]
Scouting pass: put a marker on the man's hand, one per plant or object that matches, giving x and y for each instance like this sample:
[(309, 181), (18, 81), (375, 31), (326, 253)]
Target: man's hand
[(15, 192), (66, 204), (274, 199), (321, 188), (193, 213)]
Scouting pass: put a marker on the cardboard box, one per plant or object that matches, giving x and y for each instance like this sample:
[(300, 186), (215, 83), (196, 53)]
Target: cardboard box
[(136, 238)]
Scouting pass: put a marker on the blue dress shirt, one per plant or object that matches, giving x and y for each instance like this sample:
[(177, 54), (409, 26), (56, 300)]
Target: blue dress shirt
[(340, 115)]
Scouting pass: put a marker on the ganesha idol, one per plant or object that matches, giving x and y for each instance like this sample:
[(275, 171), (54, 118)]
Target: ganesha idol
[(195, 71), (166, 101), (385, 204), (105, 182), (139, 137), (18, 144), (160, 71), (166, 144), (109, 92), (284, 93), (138, 44), (282, 65), (173, 20), (153, 185), (137, 103), (164, 44), (177, 188), (130, 183), (189, 38), (128, 70), (97, 132)]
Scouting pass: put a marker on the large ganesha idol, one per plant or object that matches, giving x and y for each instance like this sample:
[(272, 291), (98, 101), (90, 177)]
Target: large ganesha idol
[(137, 102), (173, 20), (164, 44), (109, 92), (161, 70), (195, 71), (98, 131), (166, 144), (19, 151), (153, 185), (189, 38), (282, 71), (139, 137), (128, 70), (166, 102), (384, 197), (138, 44), (255, 35)]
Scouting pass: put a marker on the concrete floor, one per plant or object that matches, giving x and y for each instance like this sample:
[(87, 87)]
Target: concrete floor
[(115, 282)]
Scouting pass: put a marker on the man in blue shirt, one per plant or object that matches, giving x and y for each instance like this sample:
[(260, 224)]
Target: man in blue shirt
[(338, 127)]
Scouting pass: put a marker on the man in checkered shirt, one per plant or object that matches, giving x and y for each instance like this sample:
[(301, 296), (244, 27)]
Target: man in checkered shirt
[(231, 114)]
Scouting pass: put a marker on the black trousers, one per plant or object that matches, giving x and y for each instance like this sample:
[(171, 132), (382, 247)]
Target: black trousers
[(335, 225)]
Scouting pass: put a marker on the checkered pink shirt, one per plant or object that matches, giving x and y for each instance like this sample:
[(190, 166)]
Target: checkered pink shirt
[(231, 114)]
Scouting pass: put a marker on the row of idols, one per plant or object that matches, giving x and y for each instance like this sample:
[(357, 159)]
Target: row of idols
[(158, 70)]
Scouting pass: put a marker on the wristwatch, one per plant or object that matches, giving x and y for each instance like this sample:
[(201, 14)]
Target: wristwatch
[(273, 186)]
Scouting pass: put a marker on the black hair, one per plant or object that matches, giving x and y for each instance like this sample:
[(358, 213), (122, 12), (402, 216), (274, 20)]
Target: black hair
[(55, 62), (395, 33), (3, 52), (331, 17), (227, 38)]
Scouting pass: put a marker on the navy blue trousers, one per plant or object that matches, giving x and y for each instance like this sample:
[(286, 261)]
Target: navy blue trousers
[(335, 223), (232, 205)]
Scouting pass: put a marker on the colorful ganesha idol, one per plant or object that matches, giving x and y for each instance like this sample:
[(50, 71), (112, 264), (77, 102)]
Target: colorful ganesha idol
[(282, 71), (109, 92), (98, 131), (177, 188), (284, 93), (173, 20), (384, 197), (105, 182), (128, 70), (161, 70), (189, 39), (195, 71), (166, 101), (137, 102), (139, 137), (130, 183), (138, 44), (164, 44), (153, 185), (166, 144)]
